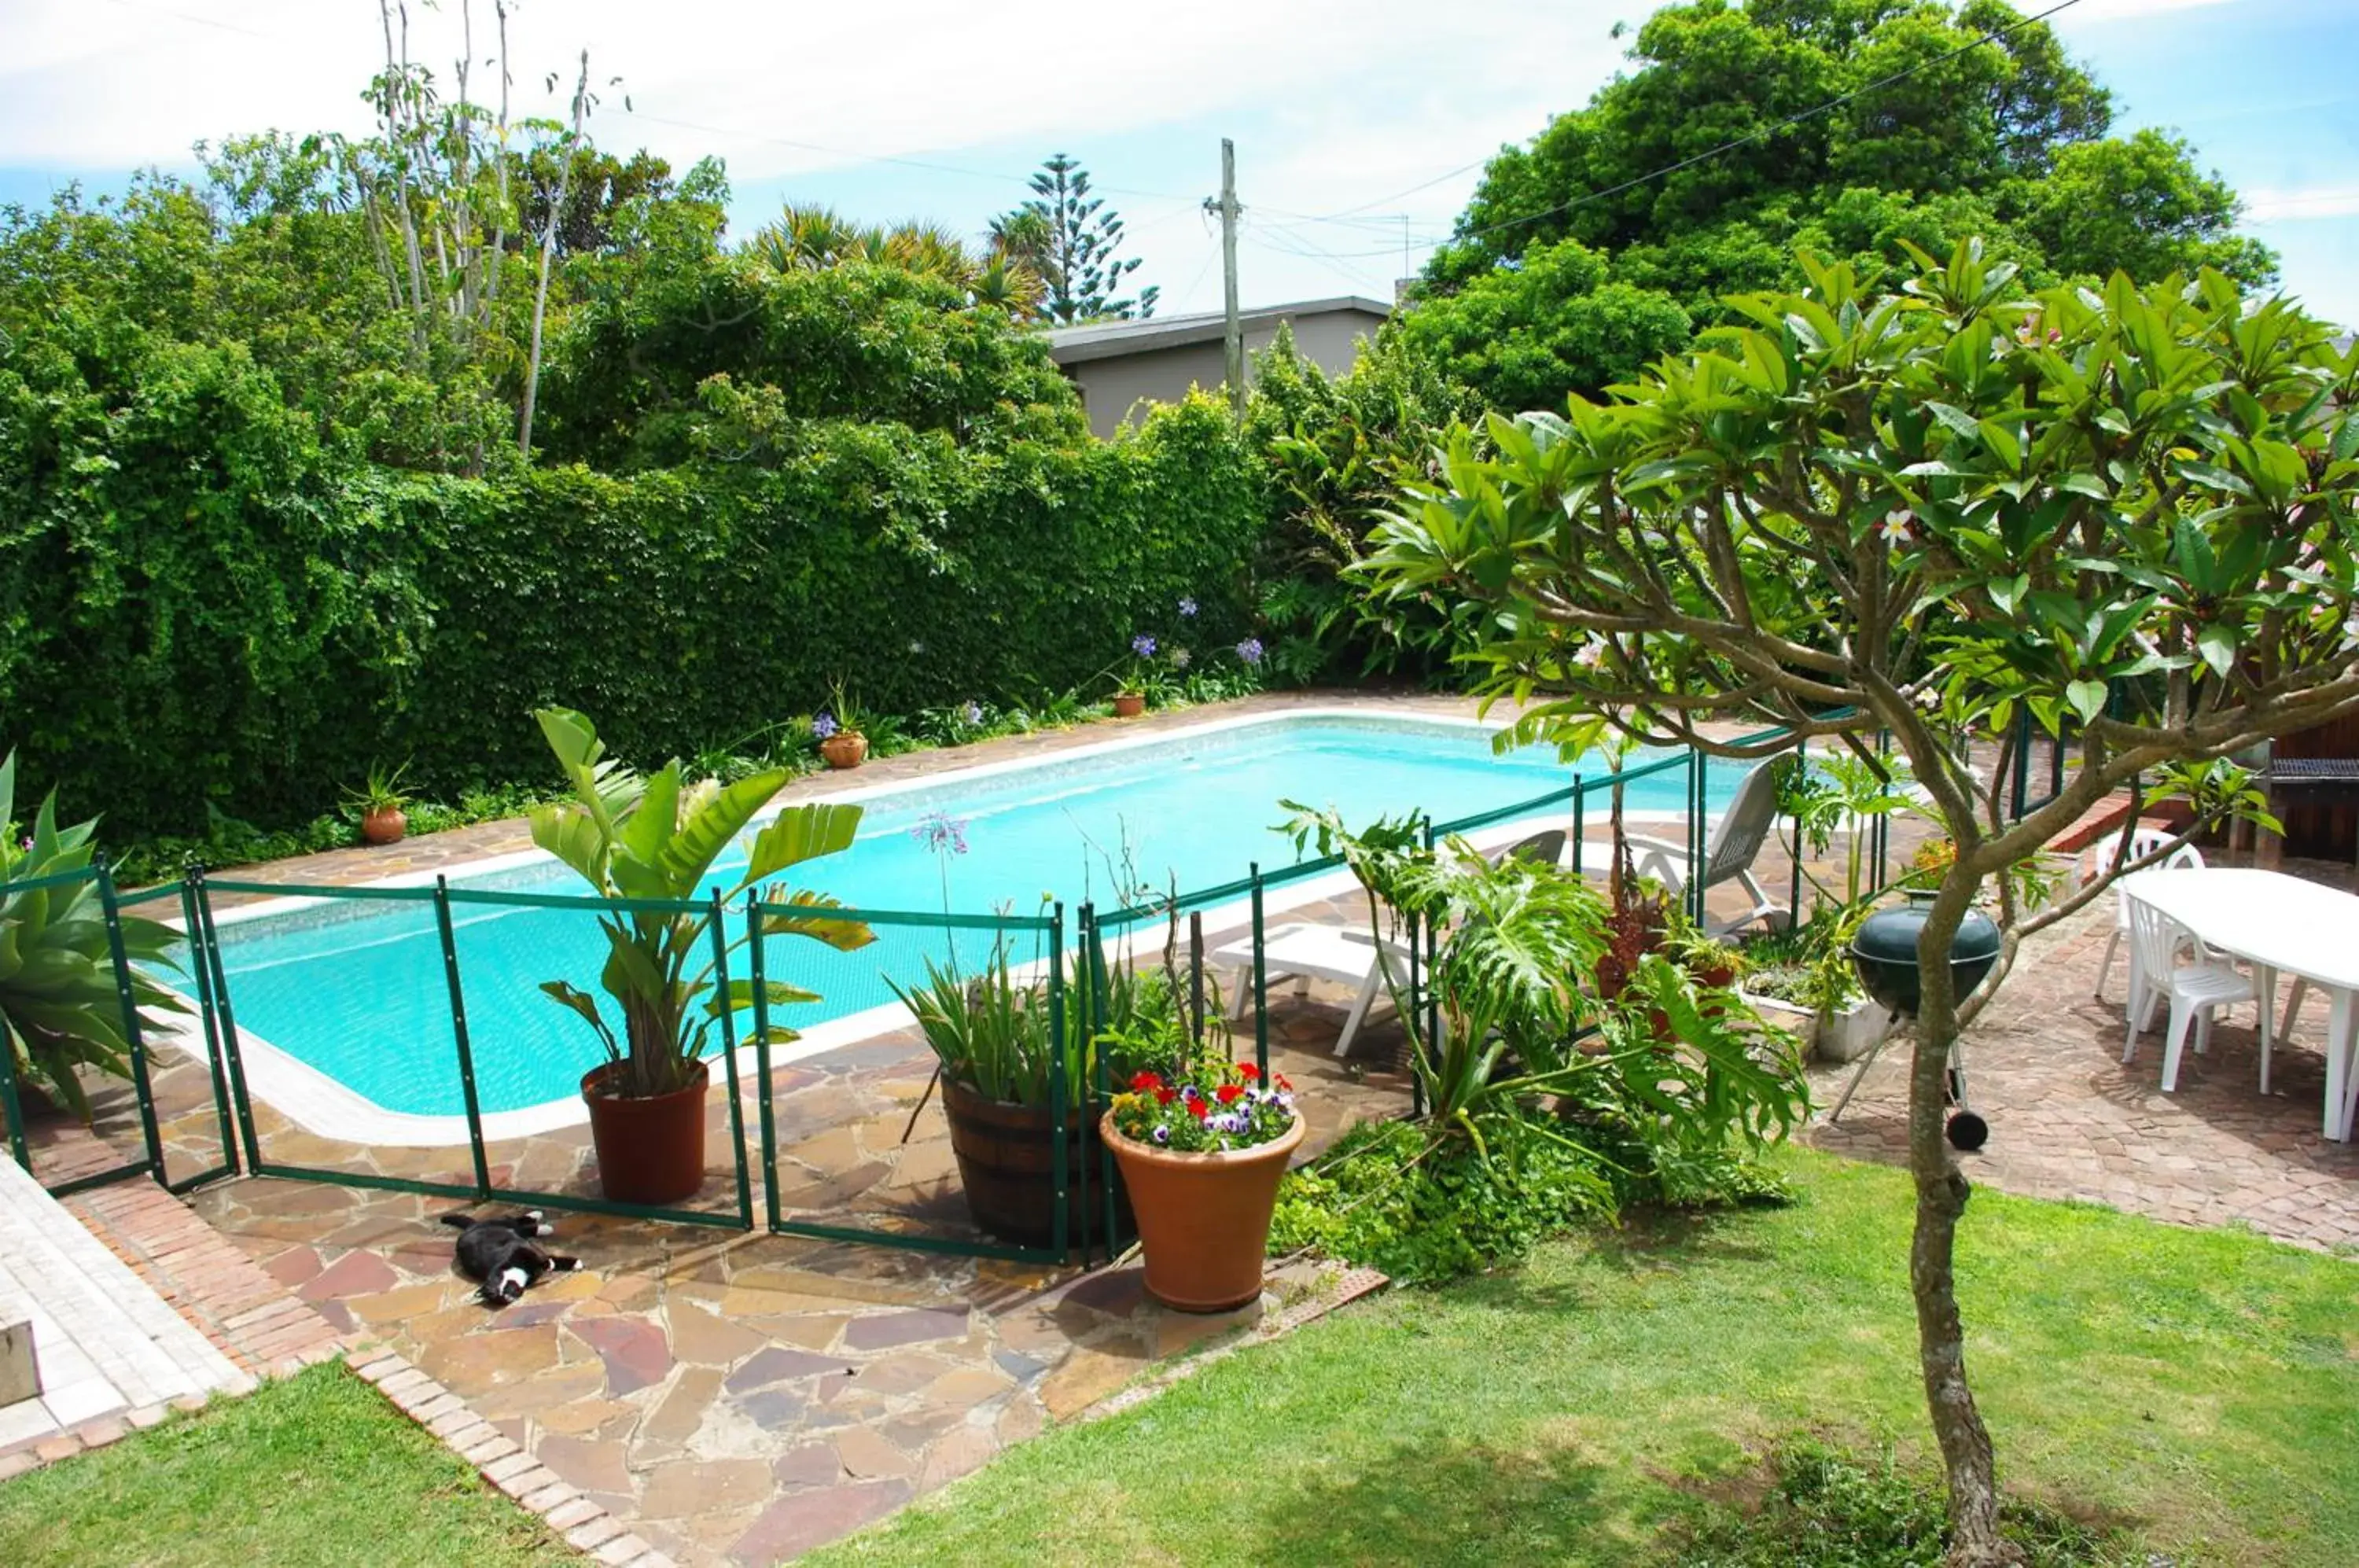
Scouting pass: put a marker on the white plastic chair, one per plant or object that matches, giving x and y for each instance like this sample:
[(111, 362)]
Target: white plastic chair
[(2143, 841), (1736, 841), (2195, 990)]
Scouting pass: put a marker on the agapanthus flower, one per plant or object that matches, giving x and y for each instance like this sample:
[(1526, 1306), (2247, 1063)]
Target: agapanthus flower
[(939, 831), (1187, 606), (1180, 659), (1143, 645), (1250, 650), (972, 713), (824, 725)]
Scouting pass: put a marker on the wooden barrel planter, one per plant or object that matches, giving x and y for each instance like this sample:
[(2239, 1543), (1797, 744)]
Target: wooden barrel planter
[(1006, 1157)]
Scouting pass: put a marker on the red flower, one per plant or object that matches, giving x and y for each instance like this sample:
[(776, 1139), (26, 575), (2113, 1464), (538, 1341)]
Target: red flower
[(1199, 1108), (1248, 1072), (1284, 1084), (1145, 1081), (1164, 1096), (1227, 1094)]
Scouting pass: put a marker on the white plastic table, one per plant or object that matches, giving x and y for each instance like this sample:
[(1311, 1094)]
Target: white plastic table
[(2280, 925)]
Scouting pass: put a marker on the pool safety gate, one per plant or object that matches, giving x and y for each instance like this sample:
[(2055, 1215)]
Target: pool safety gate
[(1072, 975)]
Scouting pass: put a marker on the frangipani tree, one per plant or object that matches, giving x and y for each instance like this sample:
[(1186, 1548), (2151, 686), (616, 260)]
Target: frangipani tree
[(2132, 513)]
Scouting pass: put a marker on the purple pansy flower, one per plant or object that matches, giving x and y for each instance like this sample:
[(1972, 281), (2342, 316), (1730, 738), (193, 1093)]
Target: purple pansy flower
[(1162, 1135)]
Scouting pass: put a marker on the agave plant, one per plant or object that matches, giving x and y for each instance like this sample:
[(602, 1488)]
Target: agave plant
[(653, 838), (58, 1007)]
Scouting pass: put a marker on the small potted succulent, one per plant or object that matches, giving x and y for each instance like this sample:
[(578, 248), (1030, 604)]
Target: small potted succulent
[(379, 803), (1202, 1151), (841, 741)]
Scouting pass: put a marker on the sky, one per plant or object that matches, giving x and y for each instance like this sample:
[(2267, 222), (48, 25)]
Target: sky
[(1361, 128)]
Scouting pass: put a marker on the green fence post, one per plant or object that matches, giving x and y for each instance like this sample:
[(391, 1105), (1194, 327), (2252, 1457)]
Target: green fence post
[(719, 929), (1579, 823), (238, 1096), (128, 1001), (209, 1018), (1060, 1177), (1260, 977), (1696, 868), (459, 1038), (761, 1058)]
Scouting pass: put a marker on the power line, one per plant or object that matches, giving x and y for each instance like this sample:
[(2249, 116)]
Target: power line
[(1746, 140)]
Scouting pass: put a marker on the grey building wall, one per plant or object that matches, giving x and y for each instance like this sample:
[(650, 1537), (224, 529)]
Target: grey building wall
[(1111, 388)]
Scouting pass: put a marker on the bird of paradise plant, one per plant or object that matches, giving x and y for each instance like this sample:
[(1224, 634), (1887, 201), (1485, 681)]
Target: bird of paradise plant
[(634, 837)]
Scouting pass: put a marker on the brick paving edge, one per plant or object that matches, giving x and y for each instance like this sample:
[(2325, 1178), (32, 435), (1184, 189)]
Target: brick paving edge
[(501, 1465)]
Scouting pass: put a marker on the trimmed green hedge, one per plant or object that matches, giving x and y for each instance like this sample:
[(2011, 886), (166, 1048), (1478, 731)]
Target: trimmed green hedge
[(200, 605)]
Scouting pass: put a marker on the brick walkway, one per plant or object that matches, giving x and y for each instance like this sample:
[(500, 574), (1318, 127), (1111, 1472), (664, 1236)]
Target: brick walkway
[(2070, 1120)]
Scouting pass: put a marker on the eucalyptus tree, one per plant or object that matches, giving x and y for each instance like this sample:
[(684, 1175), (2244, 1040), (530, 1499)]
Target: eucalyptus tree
[(2132, 513)]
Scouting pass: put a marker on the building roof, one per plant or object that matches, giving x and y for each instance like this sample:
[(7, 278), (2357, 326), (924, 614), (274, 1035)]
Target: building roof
[(1107, 340)]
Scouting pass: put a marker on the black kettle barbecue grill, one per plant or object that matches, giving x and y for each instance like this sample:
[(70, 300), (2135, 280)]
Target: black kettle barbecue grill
[(1884, 953)]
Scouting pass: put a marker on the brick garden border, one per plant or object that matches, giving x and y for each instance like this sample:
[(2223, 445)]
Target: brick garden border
[(582, 1524)]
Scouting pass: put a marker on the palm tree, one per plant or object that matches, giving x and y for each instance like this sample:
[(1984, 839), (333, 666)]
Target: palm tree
[(1008, 285), (808, 239)]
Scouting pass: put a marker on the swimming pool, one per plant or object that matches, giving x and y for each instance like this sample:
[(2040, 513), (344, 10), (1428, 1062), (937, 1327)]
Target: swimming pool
[(348, 1000)]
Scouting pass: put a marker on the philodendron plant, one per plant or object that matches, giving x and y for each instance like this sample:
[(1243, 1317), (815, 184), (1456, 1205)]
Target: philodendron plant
[(653, 837), (58, 1007)]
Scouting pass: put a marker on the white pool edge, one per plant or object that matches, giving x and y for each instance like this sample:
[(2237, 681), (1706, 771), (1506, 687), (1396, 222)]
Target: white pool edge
[(322, 1105)]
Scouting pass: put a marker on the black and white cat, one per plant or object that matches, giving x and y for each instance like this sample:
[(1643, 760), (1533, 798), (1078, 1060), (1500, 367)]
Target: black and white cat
[(502, 1255)]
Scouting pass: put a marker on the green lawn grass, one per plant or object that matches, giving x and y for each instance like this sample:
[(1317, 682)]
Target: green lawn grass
[(2200, 1389), (315, 1470)]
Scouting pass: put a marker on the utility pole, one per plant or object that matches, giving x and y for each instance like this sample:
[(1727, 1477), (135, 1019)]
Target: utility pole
[(1233, 338)]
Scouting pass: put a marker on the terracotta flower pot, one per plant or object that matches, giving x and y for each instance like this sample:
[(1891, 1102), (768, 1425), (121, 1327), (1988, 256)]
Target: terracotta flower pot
[(1203, 1219), (846, 748), (651, 1150), (1006, 1157), (1129, 704), (384, 825)]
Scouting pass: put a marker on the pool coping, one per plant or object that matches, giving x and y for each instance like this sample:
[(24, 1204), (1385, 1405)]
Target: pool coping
[(325, 1106)]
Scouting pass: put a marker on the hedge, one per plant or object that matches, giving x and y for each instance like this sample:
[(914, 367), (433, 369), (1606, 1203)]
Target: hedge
[(201, 607)]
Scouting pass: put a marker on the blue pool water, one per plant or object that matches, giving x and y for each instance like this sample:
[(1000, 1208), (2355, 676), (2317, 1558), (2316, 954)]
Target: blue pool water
[(358, 989)]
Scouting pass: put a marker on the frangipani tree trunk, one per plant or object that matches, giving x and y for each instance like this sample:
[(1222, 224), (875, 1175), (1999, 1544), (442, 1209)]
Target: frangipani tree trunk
[(2130, 513)]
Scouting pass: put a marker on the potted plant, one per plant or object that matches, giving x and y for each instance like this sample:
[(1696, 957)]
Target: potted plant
[(378, 803), (995, 1045), (1134, 677), (843, 741), (654, 839), (1202, 1150), (1804, 982), (58, 1007)]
